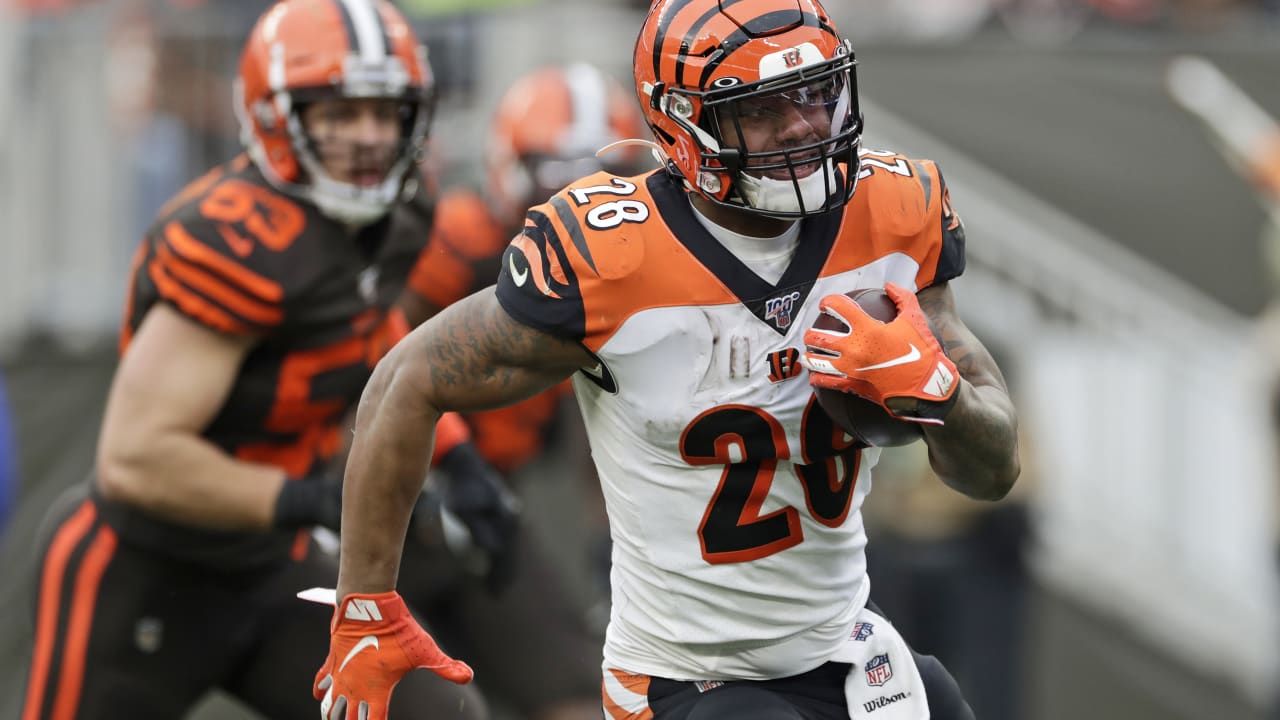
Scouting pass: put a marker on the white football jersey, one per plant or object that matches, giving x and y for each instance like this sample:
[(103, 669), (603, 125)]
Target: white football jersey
[(734, 501)]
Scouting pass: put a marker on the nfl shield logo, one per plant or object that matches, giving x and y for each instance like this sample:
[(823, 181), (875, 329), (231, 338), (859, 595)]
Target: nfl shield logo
[(879, 671), (862, 631)]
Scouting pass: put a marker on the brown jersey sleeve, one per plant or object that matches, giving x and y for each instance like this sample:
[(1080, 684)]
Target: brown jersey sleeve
[(210, 287), (216, 257)]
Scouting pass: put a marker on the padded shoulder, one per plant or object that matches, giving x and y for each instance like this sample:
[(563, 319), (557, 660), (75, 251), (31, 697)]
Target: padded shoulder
[(909, 205), (219, 251)]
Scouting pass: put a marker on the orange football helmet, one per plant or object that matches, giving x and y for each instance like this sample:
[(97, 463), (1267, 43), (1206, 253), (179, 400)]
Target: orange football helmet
[(546, 130), (710, 75), (301, 51)]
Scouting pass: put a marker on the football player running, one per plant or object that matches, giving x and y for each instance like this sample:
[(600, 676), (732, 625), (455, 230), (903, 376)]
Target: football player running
[(259, 303), (525, 634), (544, 134), (679, 301)]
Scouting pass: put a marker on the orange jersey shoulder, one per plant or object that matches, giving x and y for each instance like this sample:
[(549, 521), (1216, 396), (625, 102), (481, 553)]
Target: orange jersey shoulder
[(600, 250), (901, 205), (608, 247)]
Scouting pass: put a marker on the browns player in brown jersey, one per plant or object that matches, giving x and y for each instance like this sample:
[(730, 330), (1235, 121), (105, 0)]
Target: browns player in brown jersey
[(259, 303)]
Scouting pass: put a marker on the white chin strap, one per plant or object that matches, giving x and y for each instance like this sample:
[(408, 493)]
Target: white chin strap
[(349, 204), (771, 195), (345, 202)]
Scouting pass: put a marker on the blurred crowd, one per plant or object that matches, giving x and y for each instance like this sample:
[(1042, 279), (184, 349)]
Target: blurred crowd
[(168, 62)]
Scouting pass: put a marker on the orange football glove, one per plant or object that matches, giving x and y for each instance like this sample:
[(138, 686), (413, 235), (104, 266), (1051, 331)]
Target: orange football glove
[(374, 642), (884, 361)]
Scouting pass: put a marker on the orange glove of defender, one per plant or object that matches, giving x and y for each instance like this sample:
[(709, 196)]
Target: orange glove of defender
[(374, 643), (884, 361)]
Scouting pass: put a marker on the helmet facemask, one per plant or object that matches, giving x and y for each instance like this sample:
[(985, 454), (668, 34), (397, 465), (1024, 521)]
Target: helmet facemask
[(379, 171), (813, 169)]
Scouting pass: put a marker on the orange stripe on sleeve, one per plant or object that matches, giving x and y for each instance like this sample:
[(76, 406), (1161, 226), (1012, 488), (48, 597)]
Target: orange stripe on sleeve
[(247, 307), (135, 266), (55, 566), (191, 249), (534, 257), (638, 684), (615, 712), (83, 602), (194, 305)]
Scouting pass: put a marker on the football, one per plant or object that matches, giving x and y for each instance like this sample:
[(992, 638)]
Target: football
[(858, 416)]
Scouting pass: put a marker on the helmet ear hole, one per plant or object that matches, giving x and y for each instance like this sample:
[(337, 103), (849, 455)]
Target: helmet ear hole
[(666, 137)]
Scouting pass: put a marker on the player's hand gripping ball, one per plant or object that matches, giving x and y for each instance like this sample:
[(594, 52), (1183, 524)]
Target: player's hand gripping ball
[(865, 419)]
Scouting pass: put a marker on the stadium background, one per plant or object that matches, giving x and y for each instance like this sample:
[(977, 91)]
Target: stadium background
[(1115, 266)]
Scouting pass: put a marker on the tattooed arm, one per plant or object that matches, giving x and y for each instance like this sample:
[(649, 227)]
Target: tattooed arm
[(471, 356), (976, 451)]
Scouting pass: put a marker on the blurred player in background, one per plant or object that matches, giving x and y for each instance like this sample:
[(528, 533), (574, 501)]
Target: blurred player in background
[(544, 134), (259, 303), (524, 633), (678, 301)]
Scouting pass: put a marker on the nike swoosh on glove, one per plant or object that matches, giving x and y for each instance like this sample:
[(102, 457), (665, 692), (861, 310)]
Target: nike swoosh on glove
[(900, 359), (375, 641)]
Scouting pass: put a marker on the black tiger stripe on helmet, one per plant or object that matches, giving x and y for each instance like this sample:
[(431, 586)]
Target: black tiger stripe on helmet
[(695, 55)]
